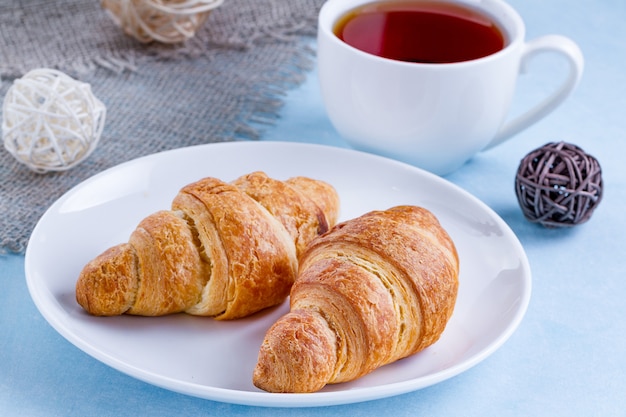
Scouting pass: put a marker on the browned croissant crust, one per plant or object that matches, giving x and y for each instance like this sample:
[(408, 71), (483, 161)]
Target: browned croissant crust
[(224, 250), (373, 290)]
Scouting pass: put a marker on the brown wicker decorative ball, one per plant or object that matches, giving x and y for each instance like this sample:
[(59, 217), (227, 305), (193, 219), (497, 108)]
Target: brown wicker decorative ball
[(558, 185)]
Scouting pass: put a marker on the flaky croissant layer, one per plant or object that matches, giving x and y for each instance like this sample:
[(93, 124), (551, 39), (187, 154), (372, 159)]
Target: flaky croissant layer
[(224, 250), (372, 290)]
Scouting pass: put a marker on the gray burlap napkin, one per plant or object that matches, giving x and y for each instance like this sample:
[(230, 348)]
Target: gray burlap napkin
[(222, 85)]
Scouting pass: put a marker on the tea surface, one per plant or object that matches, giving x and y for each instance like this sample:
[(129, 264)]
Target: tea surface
[(420, 31)]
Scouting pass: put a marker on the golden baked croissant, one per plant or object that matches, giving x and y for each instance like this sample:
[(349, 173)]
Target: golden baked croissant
[(224, 250), (372, 290)]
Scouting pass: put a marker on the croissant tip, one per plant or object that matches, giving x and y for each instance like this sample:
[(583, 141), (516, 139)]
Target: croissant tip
[(297, 355), (106, 285)]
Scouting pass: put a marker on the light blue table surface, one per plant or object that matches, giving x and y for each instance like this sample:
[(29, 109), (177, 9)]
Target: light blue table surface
[(568, 356)]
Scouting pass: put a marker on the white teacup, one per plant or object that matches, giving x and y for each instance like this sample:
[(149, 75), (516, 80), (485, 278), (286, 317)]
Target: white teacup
[(434, 116)]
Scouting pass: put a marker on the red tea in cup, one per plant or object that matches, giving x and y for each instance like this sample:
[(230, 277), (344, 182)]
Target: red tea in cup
[(434, 116), (420, 31)]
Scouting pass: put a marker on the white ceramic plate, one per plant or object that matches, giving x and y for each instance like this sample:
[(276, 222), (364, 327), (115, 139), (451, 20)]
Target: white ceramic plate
[(214, 360)]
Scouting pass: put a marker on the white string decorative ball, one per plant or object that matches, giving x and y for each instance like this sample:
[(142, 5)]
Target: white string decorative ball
[(50, 121), (166, 21)]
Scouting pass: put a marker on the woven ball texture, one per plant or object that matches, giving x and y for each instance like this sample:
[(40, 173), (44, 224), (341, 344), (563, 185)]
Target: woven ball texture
[(165, 21), (50, 121), (558, 185)]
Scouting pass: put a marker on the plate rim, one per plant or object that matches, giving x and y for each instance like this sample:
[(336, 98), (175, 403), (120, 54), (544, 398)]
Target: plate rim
[(264, 399)]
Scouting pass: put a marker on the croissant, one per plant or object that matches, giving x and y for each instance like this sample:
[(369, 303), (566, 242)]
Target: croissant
[(369, 292), (224, 250)]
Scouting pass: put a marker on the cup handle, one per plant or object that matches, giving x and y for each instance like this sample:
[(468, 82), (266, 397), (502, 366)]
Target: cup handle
[(549, 43)]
